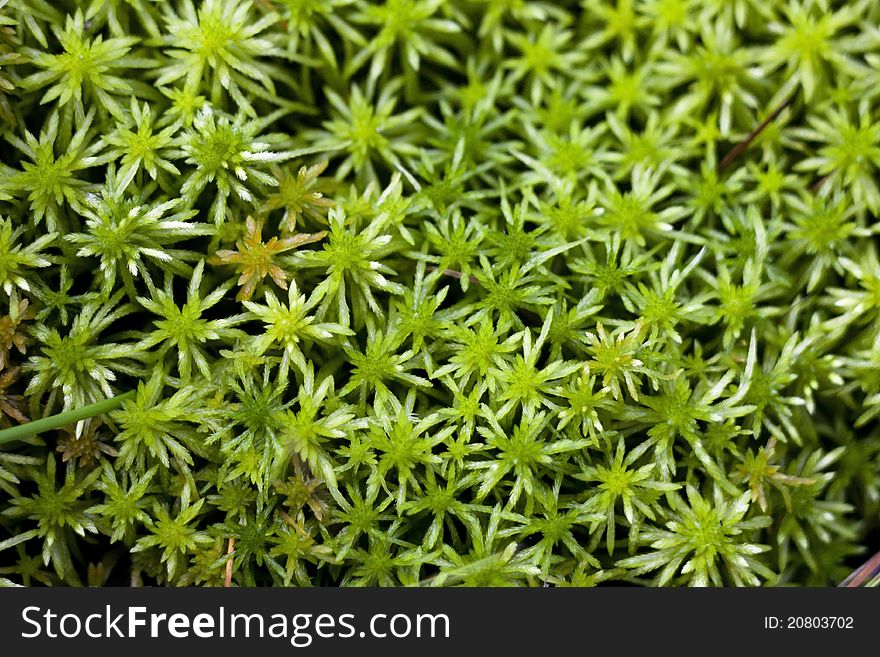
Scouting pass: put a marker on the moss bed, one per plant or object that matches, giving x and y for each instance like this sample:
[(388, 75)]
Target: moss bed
[(439, 292)]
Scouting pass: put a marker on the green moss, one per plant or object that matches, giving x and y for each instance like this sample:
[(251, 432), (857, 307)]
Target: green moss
[(446, 292)]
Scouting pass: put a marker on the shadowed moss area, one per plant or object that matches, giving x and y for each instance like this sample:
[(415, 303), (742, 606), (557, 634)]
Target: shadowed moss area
[(439, 292)]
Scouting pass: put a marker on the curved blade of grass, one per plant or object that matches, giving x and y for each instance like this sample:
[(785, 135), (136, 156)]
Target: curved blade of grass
[(62, 419), (868, 574)]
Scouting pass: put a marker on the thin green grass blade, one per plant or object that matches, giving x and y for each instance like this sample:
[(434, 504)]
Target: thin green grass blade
[(63, 419)]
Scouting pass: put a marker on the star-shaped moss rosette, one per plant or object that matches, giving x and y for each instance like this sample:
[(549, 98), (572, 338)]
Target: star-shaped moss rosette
[(256, 259)]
